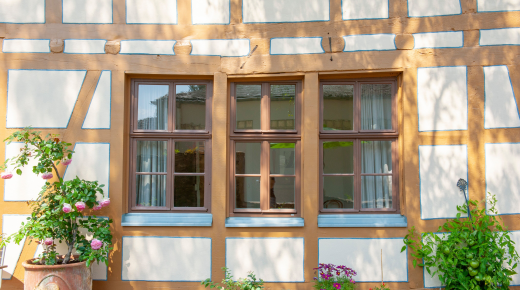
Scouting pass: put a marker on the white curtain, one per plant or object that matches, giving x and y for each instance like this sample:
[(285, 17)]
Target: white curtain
[(151, 157), (376, 106), (376, 191), (152, 111)]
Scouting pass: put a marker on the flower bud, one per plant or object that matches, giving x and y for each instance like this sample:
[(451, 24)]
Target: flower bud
[(66, 161), (105, 202), (80, 206), (48, 241), (47, 175), (97, 207), (96, 244), (67, 208), (6, 175)]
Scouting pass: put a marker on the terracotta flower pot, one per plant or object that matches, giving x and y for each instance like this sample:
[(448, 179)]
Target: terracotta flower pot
[(75, 276)]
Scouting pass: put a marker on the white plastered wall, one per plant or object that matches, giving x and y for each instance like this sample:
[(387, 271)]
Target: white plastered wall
[(503, 176), (26, 45), (21, 187), (497, 5), (442, 96), (98, 115), (151, 11), (87, 46), (440, 167), (42, 98), (10, 224), (369, 42), (272, 259), (501, 36), (164, 47), (91, 161), (210, 11), (364, 256), (22, 11), (422, 8), (266, 11), (220, 47), (364, 9), (446, 39), (166, 259), (296, 45), (87, 11), (501, 109)]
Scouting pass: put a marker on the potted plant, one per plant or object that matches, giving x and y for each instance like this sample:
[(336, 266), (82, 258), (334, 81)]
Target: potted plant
[(58, 214)]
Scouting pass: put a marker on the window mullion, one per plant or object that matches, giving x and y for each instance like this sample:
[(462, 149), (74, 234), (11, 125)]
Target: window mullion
[(357, 174), (169, 177), (264, 176), (265, 108), (171, 107), (357, 107)]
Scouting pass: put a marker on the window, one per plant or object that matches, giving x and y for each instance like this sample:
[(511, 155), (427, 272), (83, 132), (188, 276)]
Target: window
[(265, 149), (170, 146), (358, 143)]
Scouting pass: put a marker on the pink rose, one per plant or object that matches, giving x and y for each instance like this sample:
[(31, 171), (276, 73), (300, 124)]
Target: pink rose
[(66, 208), (66, 161), (96, 244), (80, 206), (97, 207), (6, 175), (48, 241), (105, 202), (47, 175)]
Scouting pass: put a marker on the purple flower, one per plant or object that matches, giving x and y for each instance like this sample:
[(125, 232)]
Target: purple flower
[(96, 244), (47, 175), (105, 202), (80, 206), (97, 207), (66, 161), (6, 175), (48, 241), (337, 285), (66, 208)]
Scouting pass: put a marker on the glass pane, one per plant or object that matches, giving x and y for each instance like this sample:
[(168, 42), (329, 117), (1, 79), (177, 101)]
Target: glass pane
[(282, 107), (282, 158), (247, 158), (338, 107), (376, 191), (189, 157), (247, 192), (248, 107), (338, 157), (151, 190), (281, 193), (376, 156), (338, 192), (188, 191), (152, 107), (152, 156), (376, 107), (190, 103)]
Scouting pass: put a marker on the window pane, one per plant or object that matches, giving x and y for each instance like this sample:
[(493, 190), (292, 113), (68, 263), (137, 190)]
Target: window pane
[(281, 193), (189, 157), (247, 192), (151, 190), (376, 156), (376, 107), (338, 192), (338, 107), (190, 103), (188, 191), (248, 107), (282, 107), (152, 156), (376, 191), (282, 158), (152, 107), (338, 157), (247, 158)]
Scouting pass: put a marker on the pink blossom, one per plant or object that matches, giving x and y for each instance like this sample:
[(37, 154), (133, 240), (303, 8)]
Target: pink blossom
[(105, 202), (97, 207), (66, 208), (80, 206), (96, 244), (66, 161), (6, 175), (48, 241), (47, 175), (337, 285)]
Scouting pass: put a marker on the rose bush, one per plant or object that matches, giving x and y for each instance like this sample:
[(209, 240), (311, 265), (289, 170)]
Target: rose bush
[(57, 213)]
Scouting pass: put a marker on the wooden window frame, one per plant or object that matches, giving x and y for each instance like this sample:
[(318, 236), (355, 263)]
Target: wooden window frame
[(356, 136), (171, 135), (264, 136)]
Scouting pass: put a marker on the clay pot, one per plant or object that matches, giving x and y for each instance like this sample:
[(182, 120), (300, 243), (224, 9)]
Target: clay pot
[(76, 276)]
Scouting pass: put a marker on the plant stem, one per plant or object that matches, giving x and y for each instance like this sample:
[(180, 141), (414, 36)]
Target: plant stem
[(71, 245)]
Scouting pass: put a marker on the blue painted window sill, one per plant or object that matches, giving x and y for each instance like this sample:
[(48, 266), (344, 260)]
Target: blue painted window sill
[(263, 222), (362, 221), (167, 220)]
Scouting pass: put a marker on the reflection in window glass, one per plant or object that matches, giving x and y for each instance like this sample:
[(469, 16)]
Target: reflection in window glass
[(152, 156), (248, 107), (190, 103), (281, 192), (282, 107), (152, 107), (338, 107), (338, 157), (247, 158), (247, 192), (376, 156), (151, 190), (376, 106), (282, 158), (338, 192), (376, 191), (189, 156), (188, 191)]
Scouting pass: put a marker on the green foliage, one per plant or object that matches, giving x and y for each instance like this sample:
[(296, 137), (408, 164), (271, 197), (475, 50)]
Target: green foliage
[(381, 287), (48, 219), (249, 283), (478, 253), (332, 277)]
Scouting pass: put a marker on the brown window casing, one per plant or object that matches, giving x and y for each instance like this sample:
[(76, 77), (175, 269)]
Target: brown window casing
[(264, 135), (357, 136), (171, 135)]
